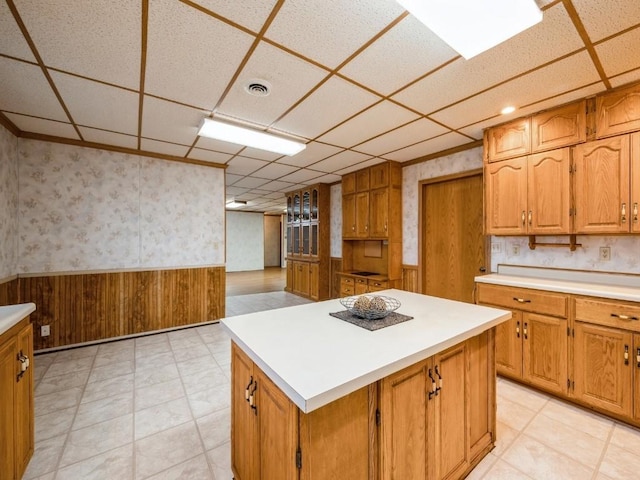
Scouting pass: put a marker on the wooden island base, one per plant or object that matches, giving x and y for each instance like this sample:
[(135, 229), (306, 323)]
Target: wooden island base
[(432, 420)]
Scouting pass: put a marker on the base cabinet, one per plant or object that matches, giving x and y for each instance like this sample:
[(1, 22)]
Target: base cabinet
[(16, 401)]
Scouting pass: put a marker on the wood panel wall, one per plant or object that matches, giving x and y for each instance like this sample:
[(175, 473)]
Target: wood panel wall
[(9, 292), (97, 306), (410, 278), (336, 266)]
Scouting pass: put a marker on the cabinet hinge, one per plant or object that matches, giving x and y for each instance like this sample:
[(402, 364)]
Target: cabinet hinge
[(298, 458), (377, 417)]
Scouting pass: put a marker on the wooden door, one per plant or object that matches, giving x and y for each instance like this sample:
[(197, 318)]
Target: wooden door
[(618, 112), (509, 140), (602, 376), (636, 380), (278, 431), (635, 183), (244, 440), (602, 186), (506, 197), (403, 424), (314, 281), (453, 246), (8, 371), (379, 213), (24, 413), (549, 193), (362, 214), (509, 346), (545, 350), (349, 215), (449, 452)]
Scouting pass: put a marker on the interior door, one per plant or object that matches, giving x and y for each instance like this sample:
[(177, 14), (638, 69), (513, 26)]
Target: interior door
[(453, 244)]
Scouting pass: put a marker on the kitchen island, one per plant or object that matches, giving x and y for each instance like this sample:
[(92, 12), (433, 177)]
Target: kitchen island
[(315, 397)]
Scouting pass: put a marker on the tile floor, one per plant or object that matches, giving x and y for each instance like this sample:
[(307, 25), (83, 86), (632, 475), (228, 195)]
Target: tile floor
[(157, 407)]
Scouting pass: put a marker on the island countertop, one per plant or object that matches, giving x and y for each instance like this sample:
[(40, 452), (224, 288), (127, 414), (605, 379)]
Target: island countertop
[(315, 358), (12, 314)]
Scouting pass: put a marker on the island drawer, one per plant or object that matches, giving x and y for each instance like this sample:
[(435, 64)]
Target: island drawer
[(538, 301), (376, 285), (610, 313)]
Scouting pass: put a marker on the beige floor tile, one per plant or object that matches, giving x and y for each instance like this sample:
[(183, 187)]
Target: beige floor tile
[(513, 414), (522, 395), (205, 379), (220, 461), (153, 348), (166, 449), (45, 457), (114, 464), (505, 436), (210, 400), (483, 467), (111, 357), (161, 417), (151, 339), (46, 476), (104, 409), (579, 418), (159, 393), (117, 346), (155, 360), (186, 353), (111, 371), (195, 365), (57, 401), (69, 366), (542, 462), (153, 375), (620, 464), (222, 345), (53, 424), (602, 476), (214, 428), (99, 438), (626, 437), (76, 353), (106, 388), (50, 384), (503, 471), (186, 342), (195, 469)]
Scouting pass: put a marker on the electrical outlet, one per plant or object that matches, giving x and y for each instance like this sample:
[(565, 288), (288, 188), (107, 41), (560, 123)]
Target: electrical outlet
[(605, 254), (45, 330), (496, 247), (515, 249)]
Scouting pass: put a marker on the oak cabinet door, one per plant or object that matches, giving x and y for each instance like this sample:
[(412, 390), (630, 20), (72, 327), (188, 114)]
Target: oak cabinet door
[(545, 351), (559, 127), (24, 437), (8, 370), (243, 418), (379, 212), (362, 214), (506, 197), (636, 380), (602, 376), (314, 281), (635, 183), (602, 186), (509, 140), (509, 346), (349, 216), (618, 112)]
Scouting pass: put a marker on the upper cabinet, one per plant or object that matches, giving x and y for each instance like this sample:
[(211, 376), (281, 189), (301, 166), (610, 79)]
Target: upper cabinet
[(559, 127), (509, 140), (618, 112)]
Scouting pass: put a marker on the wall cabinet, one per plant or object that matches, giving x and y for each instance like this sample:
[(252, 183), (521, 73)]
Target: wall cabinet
[(618, 112), (533, 345), (16, 400), (529, 195), (559, 127), (509, 140)]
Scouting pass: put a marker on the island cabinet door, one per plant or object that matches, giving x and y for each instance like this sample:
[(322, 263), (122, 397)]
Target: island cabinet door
[(636, 381), (509, 346), (403, 423), (8, 370), (24, 439), (243, 418)]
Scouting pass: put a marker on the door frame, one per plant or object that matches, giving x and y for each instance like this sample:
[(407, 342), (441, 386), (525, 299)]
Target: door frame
[(445, 178)]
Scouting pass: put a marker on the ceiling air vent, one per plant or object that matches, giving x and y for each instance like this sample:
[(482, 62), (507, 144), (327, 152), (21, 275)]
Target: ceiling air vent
[(258, 88)]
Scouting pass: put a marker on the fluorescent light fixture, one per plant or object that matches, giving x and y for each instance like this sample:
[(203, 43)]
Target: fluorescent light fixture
[(249, 137), (508, 110), (237, 204), (472, 26)]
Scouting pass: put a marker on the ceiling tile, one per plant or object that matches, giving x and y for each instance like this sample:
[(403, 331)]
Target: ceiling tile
[(553, 37), (559, 77), (96, 39), (26, 90), (260, 154), (274, 170), (217, 145), (399, 57), (189, 64), (602, 19), (108, 138), (230, 178), (209, 156), (353, 168), (42, 126), (248, 13), (251, 182), (97, 105), (335, 101), (340, 161), (378, 119), (290, 78), (163, 147), (244, 166), (401, 137), (11, 40), (629, 77), (620, 54), (236, 190), (278, 185), (314, 152), (331, 30), (330, 178), (274, 195), (302, 176), (448, 140), (169, 121)]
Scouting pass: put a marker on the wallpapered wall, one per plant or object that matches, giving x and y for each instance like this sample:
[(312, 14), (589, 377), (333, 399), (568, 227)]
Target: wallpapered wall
[(88, 209), (245, 241), (336, 220), (8, 204)]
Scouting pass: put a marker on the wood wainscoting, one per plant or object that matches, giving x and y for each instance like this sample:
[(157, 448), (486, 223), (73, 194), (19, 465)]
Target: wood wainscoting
[(335, 266), (97, 306), (9, 291), (410, 278)]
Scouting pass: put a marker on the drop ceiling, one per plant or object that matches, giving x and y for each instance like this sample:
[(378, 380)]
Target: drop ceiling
[(360, 81)]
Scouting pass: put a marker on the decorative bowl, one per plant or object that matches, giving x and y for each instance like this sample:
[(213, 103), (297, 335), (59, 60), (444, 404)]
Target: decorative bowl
[(370, 307)]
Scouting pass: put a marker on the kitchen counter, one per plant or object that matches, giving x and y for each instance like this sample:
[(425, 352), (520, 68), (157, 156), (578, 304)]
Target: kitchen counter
[(315, 358), (12, 314), (595, 284)]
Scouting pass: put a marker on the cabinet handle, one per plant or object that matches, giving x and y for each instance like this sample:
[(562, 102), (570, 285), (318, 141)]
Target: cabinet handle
[(635, 212), (366, 227), (518, 329), (433, 390), (530, 217), (626, 354), (525, 331), (623, 317), (638, 356), (252, 401), (24, 365), (624, 213), (385, 222), (439, 380), (353, 228), (246, 390), (521, 300), (523, 218)]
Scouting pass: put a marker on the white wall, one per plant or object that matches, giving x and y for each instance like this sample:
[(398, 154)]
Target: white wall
[(88, 209), (272, 244), (336, 220), (8, 204), (245, 241)]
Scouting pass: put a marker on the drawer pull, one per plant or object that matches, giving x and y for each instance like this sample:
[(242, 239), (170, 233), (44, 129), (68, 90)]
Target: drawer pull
[(376, 284), (626, 354), (530, 217), (521, 300), (623, 317), (523, 218), (638, 357), (635, 212), (525, 331), (623, 213)]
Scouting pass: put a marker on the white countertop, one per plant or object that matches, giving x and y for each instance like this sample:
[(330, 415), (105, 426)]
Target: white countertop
[(12, 314), (595, 284), (315, 358)]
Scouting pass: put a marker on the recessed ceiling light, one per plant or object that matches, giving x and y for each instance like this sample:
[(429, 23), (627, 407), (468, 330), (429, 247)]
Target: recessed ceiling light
[(237, 204), (507, 110)]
